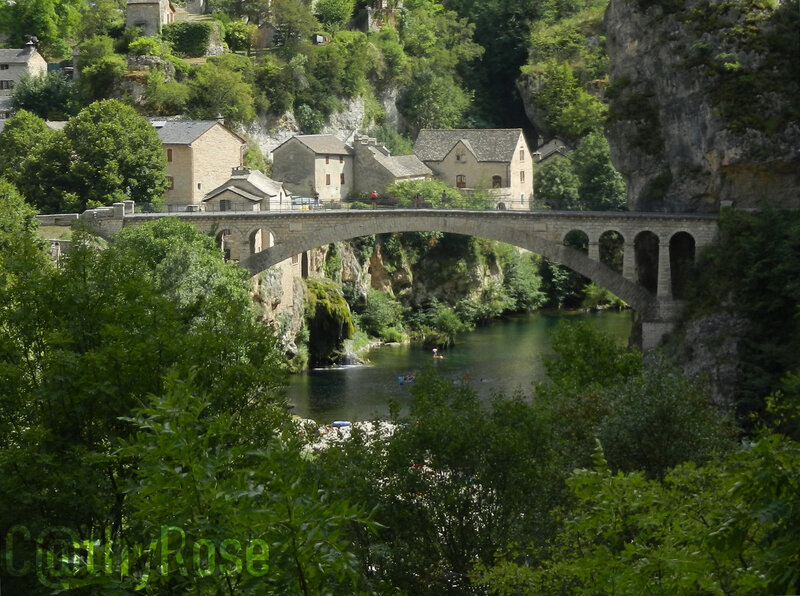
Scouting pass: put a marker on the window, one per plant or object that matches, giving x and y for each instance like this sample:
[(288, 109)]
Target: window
[(328, 179), (341, 178), (497, 182), (3, 66), (169, 155), (341, 159), (327, 159), (171, 182), (522, 154), (225, 205), (6, 84), (522, 176), (459, 156), (199, 185), (461, 181)]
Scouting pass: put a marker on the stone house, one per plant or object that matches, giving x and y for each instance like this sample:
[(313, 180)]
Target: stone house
[(496, 160), (248, 190), (555, 147), (200, 157), (375, 168), (149, 15), (310, 164), (14, 64)]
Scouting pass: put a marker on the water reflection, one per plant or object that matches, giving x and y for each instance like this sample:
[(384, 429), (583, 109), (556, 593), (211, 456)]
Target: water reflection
[(502, 357)]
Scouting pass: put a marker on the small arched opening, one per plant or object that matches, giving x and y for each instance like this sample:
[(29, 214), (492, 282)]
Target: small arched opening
[(681, 262), (223, 239), (577, 239), (612, 248), (501, 206), (645, 248), (260, 239)]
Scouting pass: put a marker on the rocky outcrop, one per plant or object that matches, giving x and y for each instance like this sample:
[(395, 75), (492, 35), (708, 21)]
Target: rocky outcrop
[(703, 104), (710, 352)]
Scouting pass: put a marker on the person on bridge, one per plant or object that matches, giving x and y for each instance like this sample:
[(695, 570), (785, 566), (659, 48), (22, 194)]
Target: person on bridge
[(374, 197)]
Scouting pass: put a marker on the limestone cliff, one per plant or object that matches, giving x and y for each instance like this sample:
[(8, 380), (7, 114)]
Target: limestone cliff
[(704, 102)]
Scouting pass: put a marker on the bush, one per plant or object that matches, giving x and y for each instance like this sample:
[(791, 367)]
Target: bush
[(189, 39)]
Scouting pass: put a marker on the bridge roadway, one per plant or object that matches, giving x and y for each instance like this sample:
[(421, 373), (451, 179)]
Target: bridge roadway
[(259, 240)]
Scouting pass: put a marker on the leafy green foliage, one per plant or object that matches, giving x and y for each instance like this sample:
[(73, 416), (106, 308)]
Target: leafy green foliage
[(382, 316), (753, 270), (106, 153), (101, 69), (51, 96), (214, 90), (188, 39), (86, 343), (53, 22), (201, 476), (453, 484), (584, 179), (334, 14), (648, 417)]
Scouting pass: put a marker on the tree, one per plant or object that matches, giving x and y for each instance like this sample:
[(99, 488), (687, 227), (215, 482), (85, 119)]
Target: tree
[(116, 155), (557, 186), (601, 186), (23, 132), (53, 22), (51, 96), (101, 70), (334, 14), (453, 484), (83, 345), (214, 90), (432, 101)]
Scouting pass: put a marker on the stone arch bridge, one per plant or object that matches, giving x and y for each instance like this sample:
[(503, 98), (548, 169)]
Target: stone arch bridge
[(655, 247)]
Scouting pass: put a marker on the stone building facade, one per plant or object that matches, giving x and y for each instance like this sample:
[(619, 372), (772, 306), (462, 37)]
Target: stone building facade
[(497, 160), (149, 15), (200, 157), (248, 190), (14, 64), (375, 168), (309, 164)]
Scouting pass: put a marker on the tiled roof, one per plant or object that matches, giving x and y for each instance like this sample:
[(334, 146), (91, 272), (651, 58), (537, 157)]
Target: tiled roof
[(251, 184), (16, 55), (488, 144), (401, 166), (321, 144), (183, 132)]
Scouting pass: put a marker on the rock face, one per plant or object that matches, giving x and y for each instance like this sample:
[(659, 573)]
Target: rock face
[(703, 104)]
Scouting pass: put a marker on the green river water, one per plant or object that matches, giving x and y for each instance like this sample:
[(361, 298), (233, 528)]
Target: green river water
[(501, 357)]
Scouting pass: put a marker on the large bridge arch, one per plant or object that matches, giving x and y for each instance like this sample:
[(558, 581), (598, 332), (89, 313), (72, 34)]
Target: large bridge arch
[(636, 296)]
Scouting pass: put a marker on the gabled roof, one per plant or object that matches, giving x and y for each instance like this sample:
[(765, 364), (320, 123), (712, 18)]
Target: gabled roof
[(552, 147), (488, 144), (17, 55), (251, 184), (320, 144), (401, 166), (185, 132)]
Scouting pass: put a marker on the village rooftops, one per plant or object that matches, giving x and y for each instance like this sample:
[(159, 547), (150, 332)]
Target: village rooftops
[(401, 166), (184, 132), (250, 184), (487, 144), (16, 55), (320, 144)]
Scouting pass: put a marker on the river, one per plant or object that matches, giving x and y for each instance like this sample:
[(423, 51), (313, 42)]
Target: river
[(501, 357)]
